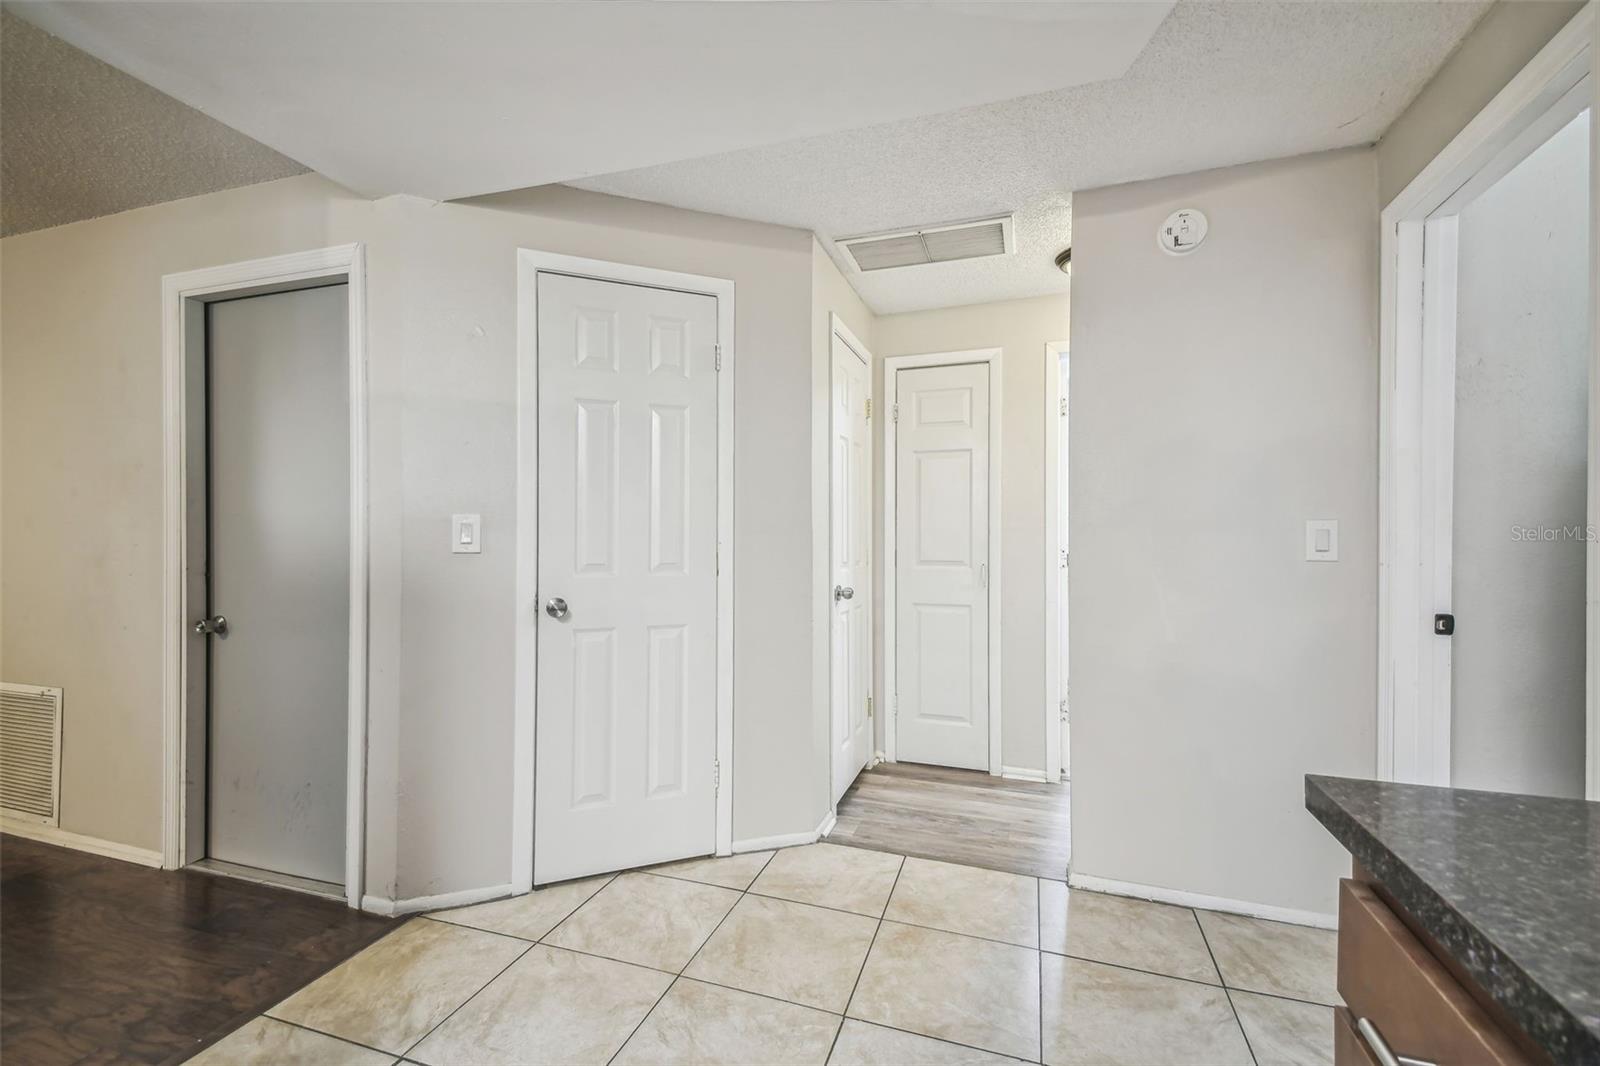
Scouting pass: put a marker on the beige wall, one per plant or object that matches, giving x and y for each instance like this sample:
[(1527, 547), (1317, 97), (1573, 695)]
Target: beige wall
[(1220, 400), (81, 358), (80, 578), (1509, 35), (1021, 328)]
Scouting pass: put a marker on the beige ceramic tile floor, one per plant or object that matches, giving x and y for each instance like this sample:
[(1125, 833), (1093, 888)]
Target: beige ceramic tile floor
[(817, 954)]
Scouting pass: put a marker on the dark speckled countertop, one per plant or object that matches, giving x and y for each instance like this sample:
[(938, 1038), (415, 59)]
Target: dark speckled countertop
[(1508, 885)]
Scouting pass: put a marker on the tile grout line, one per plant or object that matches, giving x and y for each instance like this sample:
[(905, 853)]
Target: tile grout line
[(1175, 977), (839, 910), (845, 1014), (568, 917), (418, 1042), (319, 1032), (696, 954), (780, 999), (627, 1039), (438, 916), (1228, 995), (1038, 895)]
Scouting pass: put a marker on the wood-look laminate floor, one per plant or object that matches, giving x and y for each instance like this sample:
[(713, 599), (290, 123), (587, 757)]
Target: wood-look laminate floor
[(108, 962), (963, 816)]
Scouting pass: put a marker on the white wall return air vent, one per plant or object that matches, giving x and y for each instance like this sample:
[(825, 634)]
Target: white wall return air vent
[(30, 753), (944, 243)]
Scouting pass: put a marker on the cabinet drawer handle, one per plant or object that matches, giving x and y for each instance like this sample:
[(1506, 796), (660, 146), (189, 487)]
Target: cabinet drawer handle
[(1380, 1047)]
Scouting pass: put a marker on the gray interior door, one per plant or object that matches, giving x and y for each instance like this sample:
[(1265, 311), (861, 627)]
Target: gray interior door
[(279, 538)]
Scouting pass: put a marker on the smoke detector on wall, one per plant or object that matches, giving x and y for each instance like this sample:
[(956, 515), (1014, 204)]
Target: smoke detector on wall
[(947, 242), (1183, 231)]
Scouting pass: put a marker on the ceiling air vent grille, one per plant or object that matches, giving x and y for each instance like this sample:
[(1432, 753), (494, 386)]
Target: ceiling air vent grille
[(931, 244), (30, 752)]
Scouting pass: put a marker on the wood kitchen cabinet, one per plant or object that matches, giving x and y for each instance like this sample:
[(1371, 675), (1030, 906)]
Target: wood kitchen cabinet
[(1414, 1006)]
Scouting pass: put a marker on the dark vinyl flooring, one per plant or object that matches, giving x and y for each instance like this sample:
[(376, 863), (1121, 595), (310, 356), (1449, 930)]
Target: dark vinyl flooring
[(964, 816), (104, 961)]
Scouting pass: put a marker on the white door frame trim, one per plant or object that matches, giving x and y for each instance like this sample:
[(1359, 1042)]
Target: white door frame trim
[(891, 368), (530, 264), (1053, 351), (276, 273), (1417, 235), (837, 328)]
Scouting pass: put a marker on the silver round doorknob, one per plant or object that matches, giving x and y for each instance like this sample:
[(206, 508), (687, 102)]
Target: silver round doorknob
[(841, 592), (555, 607)]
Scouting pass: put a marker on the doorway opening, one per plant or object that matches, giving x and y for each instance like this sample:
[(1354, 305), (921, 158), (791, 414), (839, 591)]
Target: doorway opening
[(1488, 636), (266, 571)]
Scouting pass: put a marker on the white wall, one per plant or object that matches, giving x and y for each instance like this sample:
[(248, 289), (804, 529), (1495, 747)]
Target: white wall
[(1521, 450), (1021, 328), (1218, 402), (81, 360)]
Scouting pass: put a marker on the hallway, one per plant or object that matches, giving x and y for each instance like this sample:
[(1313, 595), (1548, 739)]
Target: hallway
[(963, 816)]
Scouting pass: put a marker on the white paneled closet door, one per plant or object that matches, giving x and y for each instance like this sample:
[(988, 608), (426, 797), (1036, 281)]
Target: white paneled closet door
[(627, 656), (942, 471)]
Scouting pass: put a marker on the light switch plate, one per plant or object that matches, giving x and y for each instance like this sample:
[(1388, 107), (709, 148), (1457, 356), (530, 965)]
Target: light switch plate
[(466, 534), (1322, 540)]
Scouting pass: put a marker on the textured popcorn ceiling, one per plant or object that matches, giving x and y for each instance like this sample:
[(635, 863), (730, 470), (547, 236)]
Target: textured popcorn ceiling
[(1219, 84), (80, 139), (447, 100)]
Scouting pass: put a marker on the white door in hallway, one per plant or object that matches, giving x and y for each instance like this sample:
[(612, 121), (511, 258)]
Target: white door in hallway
[(851, 591), (277, 431), (942, 470), (625, 736)]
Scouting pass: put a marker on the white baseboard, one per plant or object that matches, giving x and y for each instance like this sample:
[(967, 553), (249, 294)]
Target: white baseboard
[(1289, 915), (1022, 773), (110, 849), (417, 904), (787, 840)]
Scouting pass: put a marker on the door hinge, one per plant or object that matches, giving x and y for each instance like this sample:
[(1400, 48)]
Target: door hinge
[(895, 413), (1063, 407), (869, 706), (719, 357), (869, 408), (716, 774)]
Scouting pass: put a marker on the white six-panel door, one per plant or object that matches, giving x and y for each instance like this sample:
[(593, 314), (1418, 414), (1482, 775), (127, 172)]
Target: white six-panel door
[(942, 471), (851, 591), (625, 737)]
